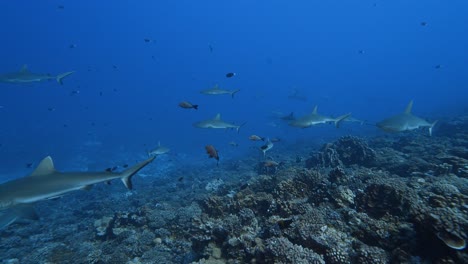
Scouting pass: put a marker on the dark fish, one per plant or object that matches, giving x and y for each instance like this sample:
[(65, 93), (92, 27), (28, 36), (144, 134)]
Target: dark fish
[(109, 170), (188, 105), (284, 223), (100, 93), (114, 66), (61, 7), (211, 48), (230, 74), (423, 23), (74, 92), (438, 66), (51, 109), (212, 152), (29, 165), (125, 166), (181, 178), (72, 46), (147, 40)]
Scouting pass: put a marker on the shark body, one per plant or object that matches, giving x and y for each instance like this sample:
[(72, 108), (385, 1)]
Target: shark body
[(314, 119), (17, 196), (217, 123), (405, 121), (25, 76), (217, 91), (159, 150)]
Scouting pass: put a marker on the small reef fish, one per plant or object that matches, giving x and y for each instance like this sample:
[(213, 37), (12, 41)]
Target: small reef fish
[(217, 91), (269, 145), (234, 144), (274, 140), (256, 138), (212, 153), (188, 105), (230, 74), (270, 163)]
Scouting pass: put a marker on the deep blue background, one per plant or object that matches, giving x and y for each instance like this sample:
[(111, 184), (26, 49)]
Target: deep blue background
[(273, 46)]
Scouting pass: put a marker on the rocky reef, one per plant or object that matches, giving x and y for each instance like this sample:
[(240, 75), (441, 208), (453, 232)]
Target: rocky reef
[(387, 199)]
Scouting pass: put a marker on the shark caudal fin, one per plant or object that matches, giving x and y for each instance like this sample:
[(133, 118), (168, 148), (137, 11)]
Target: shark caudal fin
[(238, 128), (60, 77), (234, 92), (128, 173), (431, 127), (340, 119), (11, 215)]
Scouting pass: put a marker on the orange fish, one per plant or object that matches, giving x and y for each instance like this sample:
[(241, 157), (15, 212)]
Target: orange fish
[(212, 152), (256, 138), (188, 105)]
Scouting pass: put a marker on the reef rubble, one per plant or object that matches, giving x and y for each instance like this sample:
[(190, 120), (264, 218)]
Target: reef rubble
[(385, 199)]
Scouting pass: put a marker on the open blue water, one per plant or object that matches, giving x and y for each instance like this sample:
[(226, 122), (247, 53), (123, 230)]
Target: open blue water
[(369, 58)]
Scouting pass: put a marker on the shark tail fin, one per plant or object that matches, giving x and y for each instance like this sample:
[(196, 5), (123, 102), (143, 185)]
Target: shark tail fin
[(11, 215), (195, 107), (128, 173), (238, 128), (340, 119), (431, 127), (60, 77), (234, 92)]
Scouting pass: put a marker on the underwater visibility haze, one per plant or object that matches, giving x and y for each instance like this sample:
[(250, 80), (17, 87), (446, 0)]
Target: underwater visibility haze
[(248, 131)]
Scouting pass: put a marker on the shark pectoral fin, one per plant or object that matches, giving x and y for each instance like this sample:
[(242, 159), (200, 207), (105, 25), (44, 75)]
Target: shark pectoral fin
[(60, 77), (25, 211), (9, 216), (217, 117), (431, 127), (87, 187), (341, 119), (127, 174)]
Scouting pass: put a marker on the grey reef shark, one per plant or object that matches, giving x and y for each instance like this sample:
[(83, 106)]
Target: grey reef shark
[(405, 121), (314, 119), (218, 91), (18, 196), (218, 123), (25, 76)]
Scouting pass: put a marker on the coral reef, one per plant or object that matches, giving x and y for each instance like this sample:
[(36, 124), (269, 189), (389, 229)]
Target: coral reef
[(392, 199)]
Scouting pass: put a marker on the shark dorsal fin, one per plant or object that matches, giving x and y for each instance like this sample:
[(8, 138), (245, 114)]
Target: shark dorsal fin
[(409, 107), (216, 86), (159, 143), (217, 117), (45, 167), (24, 68), (315, 110)]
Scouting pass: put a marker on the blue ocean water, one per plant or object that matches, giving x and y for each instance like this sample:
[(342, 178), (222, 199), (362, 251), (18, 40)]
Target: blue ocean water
[(135, 61)]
